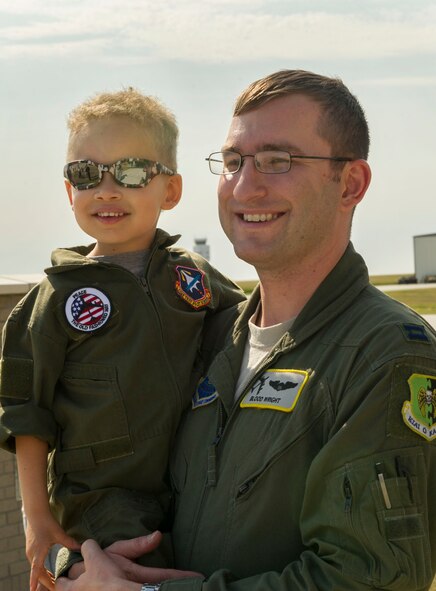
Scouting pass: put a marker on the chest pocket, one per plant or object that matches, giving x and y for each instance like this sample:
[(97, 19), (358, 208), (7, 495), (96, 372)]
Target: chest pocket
[(90, 412)]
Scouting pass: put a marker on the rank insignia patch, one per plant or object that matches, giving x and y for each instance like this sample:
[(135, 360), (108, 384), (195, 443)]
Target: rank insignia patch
[(87, 309), (204, 394), (415, 332), (419, 413), (276, 389), (190, 287)]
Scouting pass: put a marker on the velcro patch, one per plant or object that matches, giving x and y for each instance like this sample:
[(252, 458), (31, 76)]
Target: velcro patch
[(16, 378), (419, 413), (204, 394), (276, 389)]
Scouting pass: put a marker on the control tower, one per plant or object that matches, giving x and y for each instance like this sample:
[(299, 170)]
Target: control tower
[(201, 247)]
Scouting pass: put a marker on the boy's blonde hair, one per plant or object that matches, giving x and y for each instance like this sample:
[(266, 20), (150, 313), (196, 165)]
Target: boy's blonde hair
[(151, 114)]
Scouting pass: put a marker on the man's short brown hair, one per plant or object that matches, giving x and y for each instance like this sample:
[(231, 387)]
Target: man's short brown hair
[(343, 123)]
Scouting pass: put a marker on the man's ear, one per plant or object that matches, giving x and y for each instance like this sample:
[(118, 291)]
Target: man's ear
[(69, 189), (356, 178), (173, 192)]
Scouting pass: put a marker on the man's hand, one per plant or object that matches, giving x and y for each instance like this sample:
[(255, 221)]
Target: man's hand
[(124, 554), (115, 567), (101, 573)]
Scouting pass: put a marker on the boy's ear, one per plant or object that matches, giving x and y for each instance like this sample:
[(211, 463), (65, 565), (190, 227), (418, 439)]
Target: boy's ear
[(173, 192), (69, 189)]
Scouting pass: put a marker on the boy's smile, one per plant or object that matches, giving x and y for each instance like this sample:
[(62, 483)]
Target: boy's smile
[(120, 219)]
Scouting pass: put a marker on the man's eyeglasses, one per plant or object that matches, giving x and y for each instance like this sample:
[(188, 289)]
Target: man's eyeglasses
[(268, 162), (131, 173)]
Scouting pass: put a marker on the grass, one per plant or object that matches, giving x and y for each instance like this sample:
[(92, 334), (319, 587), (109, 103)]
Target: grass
[(421, 300), (247, 286), (386, 279)]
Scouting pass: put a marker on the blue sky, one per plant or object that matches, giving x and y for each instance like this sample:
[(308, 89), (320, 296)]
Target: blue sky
[(197, 55)]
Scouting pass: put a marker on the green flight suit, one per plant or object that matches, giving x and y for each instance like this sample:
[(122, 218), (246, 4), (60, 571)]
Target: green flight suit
[(107, 396), (282, 490)]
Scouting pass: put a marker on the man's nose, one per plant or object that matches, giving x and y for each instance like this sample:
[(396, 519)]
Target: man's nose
[(249, 183)]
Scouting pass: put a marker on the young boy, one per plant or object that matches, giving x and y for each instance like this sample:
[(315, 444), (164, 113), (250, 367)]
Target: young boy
[(99, 359)]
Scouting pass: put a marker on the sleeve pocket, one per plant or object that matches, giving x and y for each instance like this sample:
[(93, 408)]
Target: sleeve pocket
[(16, 378)]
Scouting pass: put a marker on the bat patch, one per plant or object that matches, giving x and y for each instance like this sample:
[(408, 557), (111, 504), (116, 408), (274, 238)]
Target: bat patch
[(276, 389)]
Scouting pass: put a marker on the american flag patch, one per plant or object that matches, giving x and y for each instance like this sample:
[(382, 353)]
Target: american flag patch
[(87, 309)]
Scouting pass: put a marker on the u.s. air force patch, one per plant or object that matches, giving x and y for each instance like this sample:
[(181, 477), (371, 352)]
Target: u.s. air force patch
[(204, 394), (419, 413), (190, 287), (87, 309), (276, 389)]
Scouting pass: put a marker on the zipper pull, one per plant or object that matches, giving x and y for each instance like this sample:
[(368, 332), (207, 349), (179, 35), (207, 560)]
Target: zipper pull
[(212, 460), (348, 495), (244, 488)]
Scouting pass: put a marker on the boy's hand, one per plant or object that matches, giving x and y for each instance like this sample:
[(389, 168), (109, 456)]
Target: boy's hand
[(40, 536)]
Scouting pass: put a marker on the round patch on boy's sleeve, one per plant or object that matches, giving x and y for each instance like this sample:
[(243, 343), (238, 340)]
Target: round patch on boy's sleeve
[(87, 309)]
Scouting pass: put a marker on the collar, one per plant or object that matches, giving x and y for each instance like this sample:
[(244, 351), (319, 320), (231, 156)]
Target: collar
[(68, 259), (336, 293)]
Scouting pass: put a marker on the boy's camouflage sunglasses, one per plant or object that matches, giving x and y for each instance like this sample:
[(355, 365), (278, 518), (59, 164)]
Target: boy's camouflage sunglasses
[(128, 172)]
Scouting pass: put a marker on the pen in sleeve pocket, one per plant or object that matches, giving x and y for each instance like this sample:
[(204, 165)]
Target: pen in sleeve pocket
[(381, 479)]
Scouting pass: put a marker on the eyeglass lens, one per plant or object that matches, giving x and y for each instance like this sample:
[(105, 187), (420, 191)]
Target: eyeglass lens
[(269, 161)]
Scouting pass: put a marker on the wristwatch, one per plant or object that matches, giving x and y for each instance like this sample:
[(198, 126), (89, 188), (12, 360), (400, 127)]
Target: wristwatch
[(150, 587)]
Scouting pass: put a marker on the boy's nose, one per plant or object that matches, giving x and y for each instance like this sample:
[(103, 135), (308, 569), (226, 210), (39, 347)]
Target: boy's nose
[(108, 189)]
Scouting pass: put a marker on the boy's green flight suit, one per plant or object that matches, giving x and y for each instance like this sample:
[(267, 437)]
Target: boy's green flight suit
[(101, 365)]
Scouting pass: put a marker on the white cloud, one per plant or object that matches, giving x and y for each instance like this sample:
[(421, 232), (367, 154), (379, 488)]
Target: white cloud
[(209, 31), (412, 81)]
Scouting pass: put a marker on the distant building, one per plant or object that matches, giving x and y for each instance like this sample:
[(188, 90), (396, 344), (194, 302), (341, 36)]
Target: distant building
[(424, 248), (202, 248)]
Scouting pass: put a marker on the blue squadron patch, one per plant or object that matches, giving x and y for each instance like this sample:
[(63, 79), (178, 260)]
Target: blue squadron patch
[(190, 287), (419, 413), (204, 394)]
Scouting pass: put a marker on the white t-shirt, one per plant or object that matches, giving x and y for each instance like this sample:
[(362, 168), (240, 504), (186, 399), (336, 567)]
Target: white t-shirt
[(259, 343)]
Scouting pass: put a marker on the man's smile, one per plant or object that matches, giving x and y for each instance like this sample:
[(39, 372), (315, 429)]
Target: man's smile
[(259, 217)]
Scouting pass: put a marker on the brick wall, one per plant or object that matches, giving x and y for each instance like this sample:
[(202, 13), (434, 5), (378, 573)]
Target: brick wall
[(14, 568)]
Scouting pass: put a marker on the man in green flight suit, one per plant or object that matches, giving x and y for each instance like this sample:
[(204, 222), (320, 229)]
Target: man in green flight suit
[(308, 460)]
